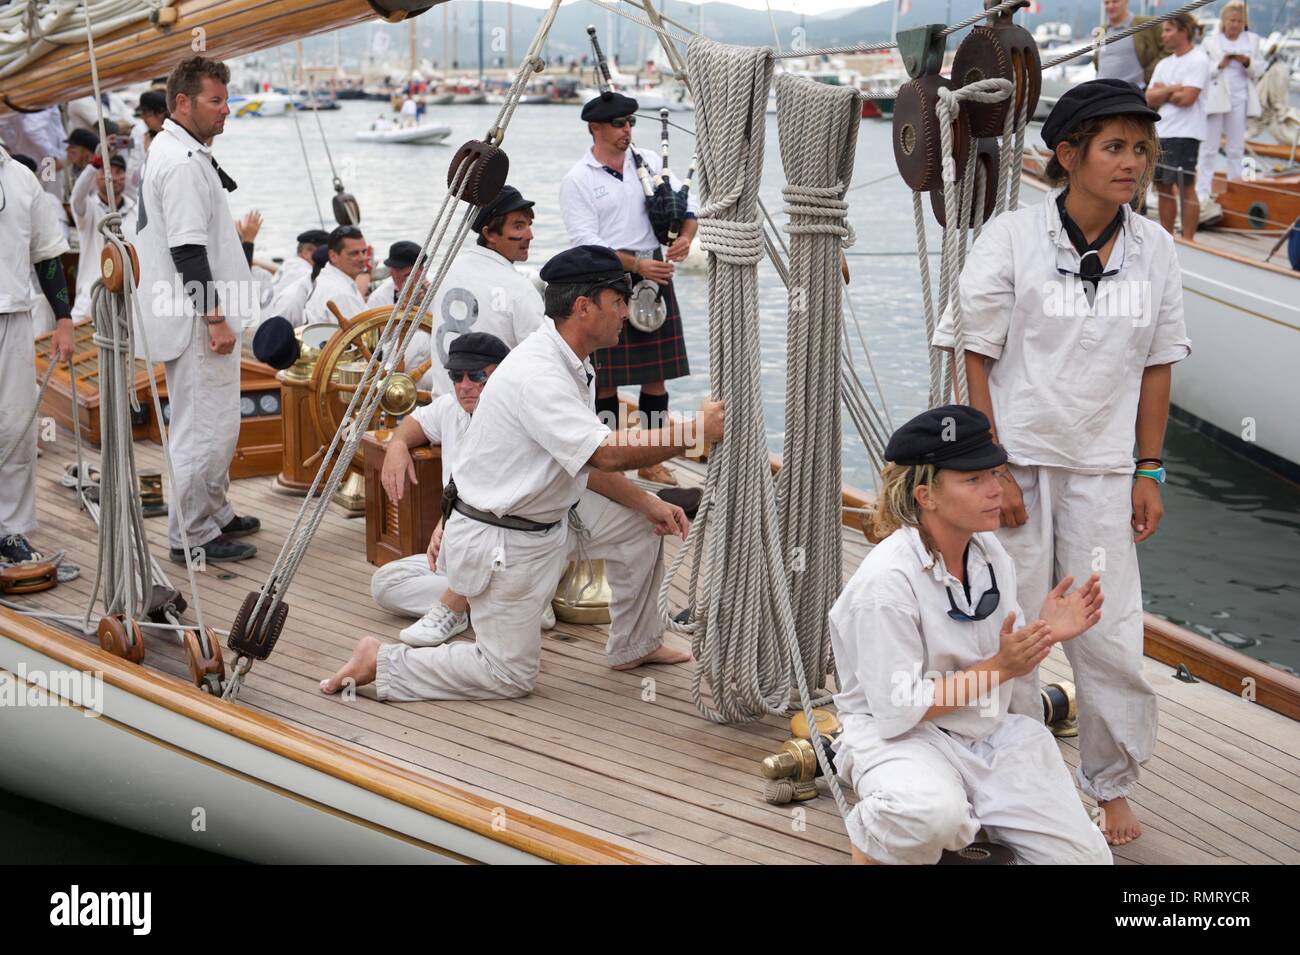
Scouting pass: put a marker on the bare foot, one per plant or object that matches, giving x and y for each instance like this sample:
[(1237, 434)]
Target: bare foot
[(665, 654), (360, 668), (1119, 824)]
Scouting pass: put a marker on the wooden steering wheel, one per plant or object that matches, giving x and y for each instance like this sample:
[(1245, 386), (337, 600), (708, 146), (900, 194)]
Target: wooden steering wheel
[(339, 369)]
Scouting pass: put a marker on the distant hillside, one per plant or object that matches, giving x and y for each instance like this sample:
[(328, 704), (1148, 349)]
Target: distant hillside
[(625, 40)]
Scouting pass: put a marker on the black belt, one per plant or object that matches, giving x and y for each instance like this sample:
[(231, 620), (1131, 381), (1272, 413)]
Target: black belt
[(509, 521)]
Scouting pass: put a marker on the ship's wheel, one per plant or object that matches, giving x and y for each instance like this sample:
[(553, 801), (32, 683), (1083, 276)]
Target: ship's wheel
[(340, 367)]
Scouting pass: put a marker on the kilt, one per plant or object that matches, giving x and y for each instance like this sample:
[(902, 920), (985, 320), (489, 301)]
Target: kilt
[(643, 357)]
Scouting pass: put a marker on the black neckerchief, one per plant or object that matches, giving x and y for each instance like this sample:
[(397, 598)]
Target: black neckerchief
[(613, 172), (227, 183), (1090, 267)]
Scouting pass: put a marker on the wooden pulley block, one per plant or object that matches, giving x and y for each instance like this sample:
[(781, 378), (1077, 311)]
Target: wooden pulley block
[(255, 636), (112, 269), (121, 637), (30, 577), (204, 665), (488, 175), (347, 211), (918, 148), (986, 160), (1004, 51)]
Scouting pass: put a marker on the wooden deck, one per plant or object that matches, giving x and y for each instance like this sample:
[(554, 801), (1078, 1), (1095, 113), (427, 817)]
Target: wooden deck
[(587, 752)]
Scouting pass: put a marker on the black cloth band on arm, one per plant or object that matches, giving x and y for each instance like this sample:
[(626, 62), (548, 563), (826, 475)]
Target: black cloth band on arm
[(49, 275), (191, 262), (248, 252)]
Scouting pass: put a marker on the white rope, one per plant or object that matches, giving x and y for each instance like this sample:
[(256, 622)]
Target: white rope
[(818, 126), (30, 29)]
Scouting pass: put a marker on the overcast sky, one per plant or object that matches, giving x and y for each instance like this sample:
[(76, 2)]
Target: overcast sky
[(809, 7)]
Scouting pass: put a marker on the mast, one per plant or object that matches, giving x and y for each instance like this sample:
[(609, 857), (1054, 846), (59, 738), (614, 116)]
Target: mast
[(414, 54), (510, 35), (481, 84), (446, 44)]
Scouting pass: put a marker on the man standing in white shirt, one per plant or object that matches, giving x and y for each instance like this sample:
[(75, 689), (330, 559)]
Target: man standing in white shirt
[(343, 279), (603, 203), (196, 293), (410, 111), (30, 236), (402, 257), (535, 451), (1175, 91), (89, 204), (483, 291)]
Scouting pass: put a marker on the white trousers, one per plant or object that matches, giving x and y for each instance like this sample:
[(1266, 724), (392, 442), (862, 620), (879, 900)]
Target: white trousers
[(407, 586), (203, 389), (1231, 124), (928, 790), (18, 391), (509, 577), (1079, 524)]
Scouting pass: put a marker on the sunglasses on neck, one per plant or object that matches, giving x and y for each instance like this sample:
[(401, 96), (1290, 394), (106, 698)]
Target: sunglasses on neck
[(624, 121), (988, 601), (477, 377)]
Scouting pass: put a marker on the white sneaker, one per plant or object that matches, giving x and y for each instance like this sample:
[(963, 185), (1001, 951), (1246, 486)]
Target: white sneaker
[(548, 618), (436, 627)]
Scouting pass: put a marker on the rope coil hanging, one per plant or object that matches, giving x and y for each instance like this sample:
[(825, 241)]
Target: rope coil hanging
[(818, 127)]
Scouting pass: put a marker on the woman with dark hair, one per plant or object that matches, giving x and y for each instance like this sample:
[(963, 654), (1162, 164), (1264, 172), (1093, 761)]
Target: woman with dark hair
[(1071, 321)]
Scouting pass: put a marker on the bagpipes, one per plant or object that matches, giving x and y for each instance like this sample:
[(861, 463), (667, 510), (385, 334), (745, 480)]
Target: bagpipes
[(665, 206)]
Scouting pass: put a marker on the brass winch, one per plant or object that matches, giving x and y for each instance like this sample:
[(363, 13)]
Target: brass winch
[(792, 772)]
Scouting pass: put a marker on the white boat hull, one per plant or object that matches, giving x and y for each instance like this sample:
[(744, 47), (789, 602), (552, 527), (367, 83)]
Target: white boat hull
[(260, 105), (429, 133), (149, 768)]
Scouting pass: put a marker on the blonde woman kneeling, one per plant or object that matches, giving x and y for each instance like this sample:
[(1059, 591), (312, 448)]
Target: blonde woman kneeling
[(928, 637)]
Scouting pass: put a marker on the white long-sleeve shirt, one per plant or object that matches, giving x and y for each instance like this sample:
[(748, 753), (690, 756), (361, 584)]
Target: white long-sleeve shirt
[(88, 211), (29, 233), (600, 209), (333, 285), (1067, 374)]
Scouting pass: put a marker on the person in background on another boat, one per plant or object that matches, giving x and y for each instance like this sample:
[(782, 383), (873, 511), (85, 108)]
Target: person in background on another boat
[(483, 291), (535, 463), (402, 257), (1072, 322), (30, 236), (345, 278), (603, 203), (1176, 91), (196, 293), (89, 204), (152, 111), (1132, 59), (929, 636), (1236, 65), (382, 125), (412, 586), (410, 111)]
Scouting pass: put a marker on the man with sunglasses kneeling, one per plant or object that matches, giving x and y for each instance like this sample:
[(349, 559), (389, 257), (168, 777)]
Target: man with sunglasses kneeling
[(412, 586)]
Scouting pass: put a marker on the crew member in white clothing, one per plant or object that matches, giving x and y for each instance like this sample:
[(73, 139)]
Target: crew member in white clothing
[(299, 264), (412, 585), (928, 634), (535, 451), (344, 280), (402, 257), (290, 302), (603, 203), (30, 236), (82, 145), (196, 292), (1175, 90), (152, 110), (89, 204), (1236, 66), (42, 314), (482, 290), (1072, 319)]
